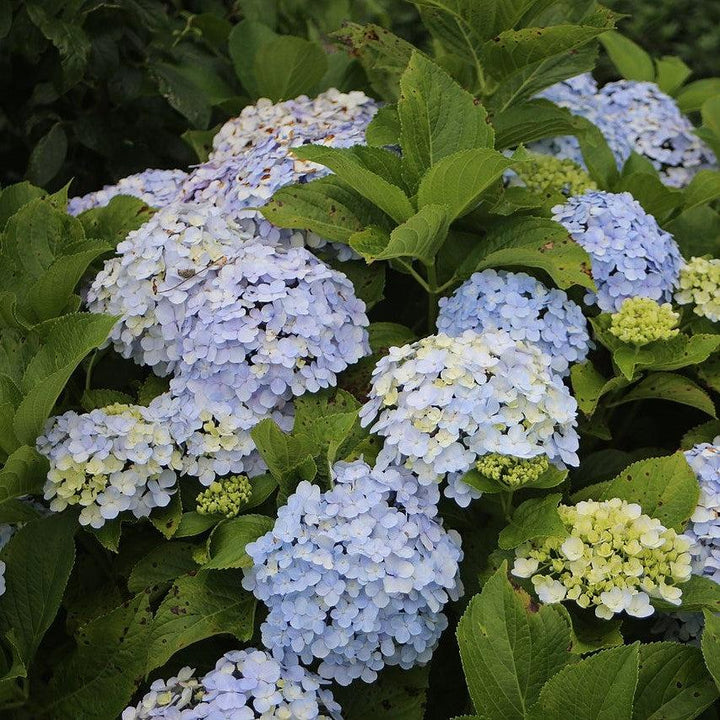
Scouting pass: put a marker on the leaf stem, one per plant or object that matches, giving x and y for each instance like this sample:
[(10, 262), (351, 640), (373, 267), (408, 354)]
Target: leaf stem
[(506, 502), (432, 291), (420, 280)]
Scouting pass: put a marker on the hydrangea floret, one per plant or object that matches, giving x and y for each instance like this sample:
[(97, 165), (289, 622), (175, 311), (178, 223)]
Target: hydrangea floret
[(546, 173), (521, 305), (704, 527), (245, 684), (110, 460), (631, 255), (699, 284), (642, 320), (225, 497), (356, 577), (443, 402), (613, 558), (157, 188)]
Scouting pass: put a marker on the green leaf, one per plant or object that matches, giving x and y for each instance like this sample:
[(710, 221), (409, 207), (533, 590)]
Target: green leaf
[(385, 335), (458, 180), (711, 645), (93, 399), (167, 519), (263, 486), (114, 221), (23, 474), (589, 386), (384, 128), (98, 679), (47, 156), (538, 243), (150, 388), (600, 687), (666, 488), (420, 237), (287, 67), (693, 96), (673, 683), (704, 433), (656, 198), (244, 41), (164, 563), (703, 189), (697, 231), (328, 207), (36, 579), (631, 61), (193, 523), (212, 602), (675, 388), (437, 118), (13, 197), (182, 94), (699, 593), (532, 120), (508, 651), (672, 72), (226, 545), (351, 165), (591, 633), (395, 695), (552, 477), (537, 517), (70, 340)]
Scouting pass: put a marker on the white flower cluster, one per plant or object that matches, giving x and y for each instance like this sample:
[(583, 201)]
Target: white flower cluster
[(521, 305), (443, 402), (613, 558), (356, 577), (108, 461), (245, 685)]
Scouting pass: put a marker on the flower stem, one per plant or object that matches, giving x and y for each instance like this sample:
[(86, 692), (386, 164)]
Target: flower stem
[(432, 290)]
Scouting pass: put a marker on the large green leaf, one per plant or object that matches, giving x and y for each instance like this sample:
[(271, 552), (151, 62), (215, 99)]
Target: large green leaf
[(112, 222), (39, 558), (212, 602), (600, 687), (535, 518), (23, 474), (711, 645), (164, 563), (226, 545), (508, 650), (437, 118), (98, 679), (244, 41), (673, 683), (631, 61)]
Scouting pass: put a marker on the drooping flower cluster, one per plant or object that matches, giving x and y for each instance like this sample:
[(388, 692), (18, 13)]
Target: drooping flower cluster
[(549, 174), (225, 497), (631, 255), (613, 558), (521, 305), (108, 461), (681, 626), (245, 684), (443, 402), (634, 117), (157, 188), (704, 527), (642, 320), (699, 284), (356, 577)]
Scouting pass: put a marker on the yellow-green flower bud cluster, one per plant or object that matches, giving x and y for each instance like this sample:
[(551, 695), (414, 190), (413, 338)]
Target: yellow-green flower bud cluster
[(225, 497), (642, 320), (699, 283), (512, 471), (543, 173), (613, 558)]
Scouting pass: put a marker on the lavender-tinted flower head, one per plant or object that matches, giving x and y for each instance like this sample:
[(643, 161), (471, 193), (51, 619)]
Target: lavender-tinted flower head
[(443, 402), (270, 324), (631, 255), (110, 460), (157, 188), (356, 577), (704, 527), (521, 305), (655, 128), (244, 685), (159, 268)]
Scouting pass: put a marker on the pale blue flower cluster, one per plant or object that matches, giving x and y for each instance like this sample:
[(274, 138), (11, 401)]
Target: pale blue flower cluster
[(521, 305), (631, 255), (244, 685), (157, 188), (704, 527), (634, 117), (443, 402), (356, 577), (108, 461), (683, 627)]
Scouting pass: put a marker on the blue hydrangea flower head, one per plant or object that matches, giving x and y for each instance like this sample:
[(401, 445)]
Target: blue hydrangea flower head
[(157, 188), (268, 325), (655, 128), (107, 461), (244, 685), (704, 527), (521, 305), (356, 577), (443, 402), (631, 255)]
